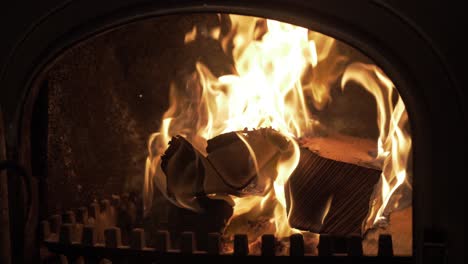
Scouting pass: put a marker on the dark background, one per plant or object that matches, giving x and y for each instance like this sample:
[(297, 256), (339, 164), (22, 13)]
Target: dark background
[(107, 95), (442, 21)]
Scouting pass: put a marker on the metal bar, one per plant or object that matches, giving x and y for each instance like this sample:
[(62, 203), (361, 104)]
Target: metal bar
[(149, 255)]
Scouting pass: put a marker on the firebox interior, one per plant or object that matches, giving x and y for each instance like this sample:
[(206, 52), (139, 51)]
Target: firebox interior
[(106, 96)]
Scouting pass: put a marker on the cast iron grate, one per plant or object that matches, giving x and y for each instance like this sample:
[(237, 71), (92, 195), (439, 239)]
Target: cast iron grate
[(78, 237)]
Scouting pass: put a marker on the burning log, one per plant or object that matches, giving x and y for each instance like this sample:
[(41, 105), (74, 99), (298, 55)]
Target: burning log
[(183, 167), (328, 196), (256, 155), (344, 148), (323, 195), (202, 184)]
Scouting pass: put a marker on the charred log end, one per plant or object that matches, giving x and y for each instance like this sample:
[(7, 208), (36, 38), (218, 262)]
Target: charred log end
[(328, 196)]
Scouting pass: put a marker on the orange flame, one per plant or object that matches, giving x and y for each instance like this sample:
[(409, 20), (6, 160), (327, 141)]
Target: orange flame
[(394, 143), (263, 93), (267, 91)]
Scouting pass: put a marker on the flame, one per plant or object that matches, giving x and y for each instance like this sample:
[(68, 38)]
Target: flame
[(394, 142), (267, 89), (256, 97)]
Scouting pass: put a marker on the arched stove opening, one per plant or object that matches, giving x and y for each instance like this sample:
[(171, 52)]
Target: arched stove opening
[(172, 76), (399, 46)]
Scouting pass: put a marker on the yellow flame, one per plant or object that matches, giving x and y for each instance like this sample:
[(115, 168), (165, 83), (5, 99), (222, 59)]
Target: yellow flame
[(190, 36), (394, 143), (257, 95), (267, 90)]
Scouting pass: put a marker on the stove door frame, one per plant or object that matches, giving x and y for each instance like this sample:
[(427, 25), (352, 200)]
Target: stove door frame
[(397, 45)]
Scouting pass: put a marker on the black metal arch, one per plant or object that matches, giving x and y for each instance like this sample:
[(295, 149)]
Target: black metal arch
[(382, 33)]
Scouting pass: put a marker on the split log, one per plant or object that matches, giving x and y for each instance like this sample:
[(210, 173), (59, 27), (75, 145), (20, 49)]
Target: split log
[(182, 164), (248, 169), (238, 163), (328, 196), (323, 195), (202, 184), (344, 148)]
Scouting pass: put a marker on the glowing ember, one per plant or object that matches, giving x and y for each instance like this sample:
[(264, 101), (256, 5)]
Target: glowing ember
[(275, 68)]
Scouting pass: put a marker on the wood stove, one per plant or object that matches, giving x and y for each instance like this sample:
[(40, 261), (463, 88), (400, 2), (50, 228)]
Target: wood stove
[(380, 31)]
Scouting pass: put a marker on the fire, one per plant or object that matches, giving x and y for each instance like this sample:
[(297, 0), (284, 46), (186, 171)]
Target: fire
[(394, 143), (263, 93), (268, 87)]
